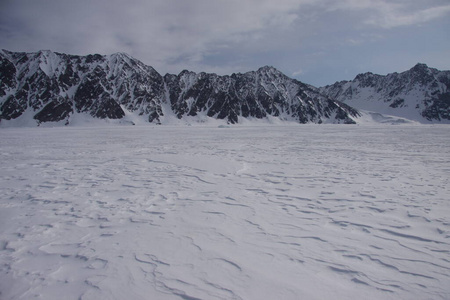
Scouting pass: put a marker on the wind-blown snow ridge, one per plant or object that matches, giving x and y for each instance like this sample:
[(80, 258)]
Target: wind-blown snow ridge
[(53, 87), (226, 213)]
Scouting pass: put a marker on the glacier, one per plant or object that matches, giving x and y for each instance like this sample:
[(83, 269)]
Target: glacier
[(250, 211)]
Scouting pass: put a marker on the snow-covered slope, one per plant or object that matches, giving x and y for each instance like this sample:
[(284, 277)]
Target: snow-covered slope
[(53, 87), (421, 93)]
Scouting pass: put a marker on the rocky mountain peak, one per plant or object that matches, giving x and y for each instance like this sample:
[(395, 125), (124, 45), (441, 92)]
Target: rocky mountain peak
[(419, 67), (366, 79), (419, 93), (268, 69)]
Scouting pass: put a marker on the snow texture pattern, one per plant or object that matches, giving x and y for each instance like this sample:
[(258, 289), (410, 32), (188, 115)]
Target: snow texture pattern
[(247, 212)]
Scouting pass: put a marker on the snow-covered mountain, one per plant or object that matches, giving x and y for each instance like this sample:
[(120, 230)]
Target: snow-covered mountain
[(421, 93), (52, 86), (49, 87)]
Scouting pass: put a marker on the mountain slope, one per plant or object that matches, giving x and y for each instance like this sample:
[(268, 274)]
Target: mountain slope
[(51, 87), (421, 93)]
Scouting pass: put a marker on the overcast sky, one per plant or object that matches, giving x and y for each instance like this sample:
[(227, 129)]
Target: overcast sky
[(316, 41)]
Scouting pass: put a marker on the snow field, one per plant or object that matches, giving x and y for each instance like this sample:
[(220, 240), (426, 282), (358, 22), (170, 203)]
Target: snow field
[(244, 212)]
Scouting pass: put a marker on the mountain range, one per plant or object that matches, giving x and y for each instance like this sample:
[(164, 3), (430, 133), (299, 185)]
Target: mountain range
[(46, 86), (421, 93)]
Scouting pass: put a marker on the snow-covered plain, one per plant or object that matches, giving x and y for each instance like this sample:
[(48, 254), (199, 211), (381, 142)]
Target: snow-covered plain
[(241, 212)]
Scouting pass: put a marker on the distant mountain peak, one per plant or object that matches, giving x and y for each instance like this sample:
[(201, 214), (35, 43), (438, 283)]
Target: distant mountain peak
[(419, 66), (186, 72), (44, 52), (124, 54), (269, 69), (420, 94)]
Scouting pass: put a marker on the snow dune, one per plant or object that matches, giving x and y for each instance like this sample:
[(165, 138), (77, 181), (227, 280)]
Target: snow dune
[(262, 212)]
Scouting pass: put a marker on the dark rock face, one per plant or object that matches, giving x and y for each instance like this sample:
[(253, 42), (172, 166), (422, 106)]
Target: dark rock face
[(92, 97), (439, 108), (421, 93), (7, 75), (54, 111), (53, 86)]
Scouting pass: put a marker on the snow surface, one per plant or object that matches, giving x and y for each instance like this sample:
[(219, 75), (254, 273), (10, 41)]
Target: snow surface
[(240, 212)]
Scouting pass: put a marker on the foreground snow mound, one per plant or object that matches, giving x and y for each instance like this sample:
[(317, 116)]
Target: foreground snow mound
[(264, 212)]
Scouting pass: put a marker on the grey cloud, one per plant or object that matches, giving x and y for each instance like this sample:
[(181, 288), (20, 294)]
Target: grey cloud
[(394, 13), (218, 36)]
